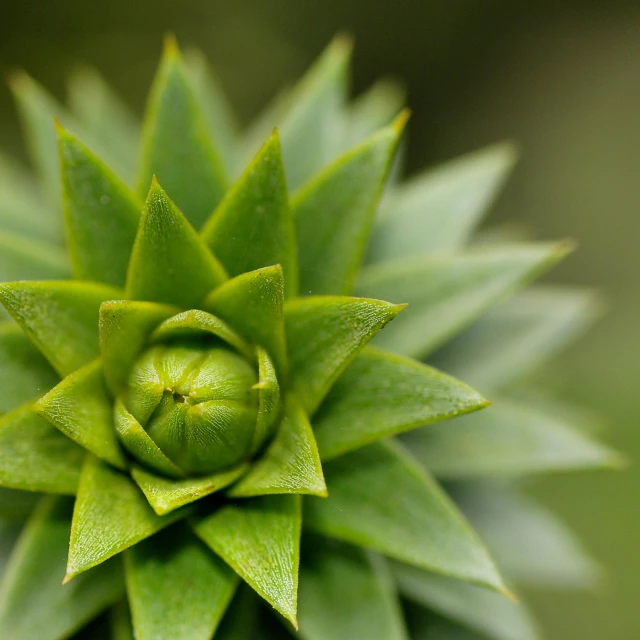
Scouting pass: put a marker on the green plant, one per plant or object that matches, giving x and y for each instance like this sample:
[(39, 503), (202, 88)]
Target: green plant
[(189, 376)]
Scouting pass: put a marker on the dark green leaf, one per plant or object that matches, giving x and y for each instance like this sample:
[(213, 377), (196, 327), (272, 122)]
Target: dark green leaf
[(110, 515), (33, 604), (177, 588), (101, 214), (16, 505), (446, 293), (177, 145), (120, 622), (36, 457), (241, 619), (333, 213), (269, 400), (436, 211), (60, 318), (260, 539), (23, 258), (324, 334), (347, 594), (80, 407), (382, 499), (169, 262), (24, 374), (291, 464), (381, 394)]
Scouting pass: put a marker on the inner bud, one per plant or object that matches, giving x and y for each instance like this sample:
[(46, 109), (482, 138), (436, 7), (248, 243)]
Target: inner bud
[(196, 403)]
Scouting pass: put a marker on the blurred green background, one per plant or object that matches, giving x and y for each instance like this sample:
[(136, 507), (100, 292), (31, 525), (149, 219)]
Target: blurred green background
[(560, 78)]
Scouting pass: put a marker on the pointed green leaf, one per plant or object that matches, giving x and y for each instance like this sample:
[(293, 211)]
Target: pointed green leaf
[(381, 498), (333, 213), (81, 408), (166, 495), (447, 293), (176, 143), (60, 318), (518, 335), (24, 374), (101, 214), (36, 457), (436, 211), (33, 604), (324, 334), (125, 326), (177, 588), (253, 225), (347, 593), (508, 439), (381, 394), (110, 515), (252, 303), (169, 262), (291, 464), (260, 539), (23, 258), (531, 545), (269, 400), (488, 613)]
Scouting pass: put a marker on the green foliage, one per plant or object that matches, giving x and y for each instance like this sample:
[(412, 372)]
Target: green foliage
[(205, 387)]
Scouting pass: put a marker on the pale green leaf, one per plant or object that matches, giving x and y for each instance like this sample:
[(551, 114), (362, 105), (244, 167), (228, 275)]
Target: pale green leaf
[(486, 612), (177, 588), (36, 457), (101, 214), (110, 515), (291, 463), (169, 262), (60, 318), (269, 400), (333, 213), (260, 539), (252, 303), (324, 334), (347, 593), (507, 439), (166, 495), (23, 258), (447, 293), (381, 394), (125, 326), (437, 210), (253, 226), (381, 498), (24, 374), (33, 603), (81, 408), (176, 143)]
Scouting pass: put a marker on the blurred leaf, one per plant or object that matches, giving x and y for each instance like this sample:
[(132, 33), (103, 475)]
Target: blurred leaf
[(446, 293), (80, 407), (101, 214), (436, 211), (253, 225), (508, 439), (324, 334), (241, 618), (16, 505), (380, 395), (23, 258), (60, 318), (169, 262), (110, 515), (486, 612), (382, 499), (428, 625), (347, 593), (36, 457), (260, 539), (9, 532), (177, 588), (120, 622), (333, 213), (269, 400), (32, 581), (291, 463), (176, 143)]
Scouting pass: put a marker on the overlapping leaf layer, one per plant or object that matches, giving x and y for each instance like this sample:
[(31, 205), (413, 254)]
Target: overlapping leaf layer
[(195, 369)]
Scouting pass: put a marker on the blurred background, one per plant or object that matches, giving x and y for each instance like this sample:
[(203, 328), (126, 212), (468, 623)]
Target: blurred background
[(560, 78)]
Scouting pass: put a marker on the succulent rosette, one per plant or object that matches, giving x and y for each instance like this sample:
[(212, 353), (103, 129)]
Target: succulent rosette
[(195, 369)]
